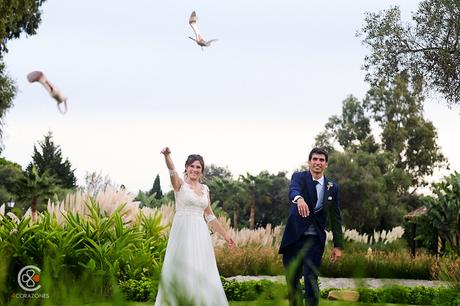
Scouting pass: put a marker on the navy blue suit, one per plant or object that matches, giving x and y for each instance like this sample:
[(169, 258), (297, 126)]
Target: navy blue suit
[(302, 251)]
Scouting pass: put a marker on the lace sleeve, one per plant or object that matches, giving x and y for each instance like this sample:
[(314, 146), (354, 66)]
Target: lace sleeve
[(209, 218)]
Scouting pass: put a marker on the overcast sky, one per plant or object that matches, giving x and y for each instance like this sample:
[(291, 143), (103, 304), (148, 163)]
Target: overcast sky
[(135, 83)]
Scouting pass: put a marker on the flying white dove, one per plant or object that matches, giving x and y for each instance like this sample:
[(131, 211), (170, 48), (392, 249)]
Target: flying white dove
[(198, 38), (38, 76)]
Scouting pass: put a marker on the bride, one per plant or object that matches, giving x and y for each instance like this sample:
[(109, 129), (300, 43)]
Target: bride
[(189, 275)]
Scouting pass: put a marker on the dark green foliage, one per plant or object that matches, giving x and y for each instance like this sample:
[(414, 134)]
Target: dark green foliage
[(213, 171), (418, 295), (427, 49), (378, 177), (7, 93), (260, 199), (50, 159), (351, 129), (156, 188), (230, 195), (443, 215), (382, 265), (16, 17), (138, 290), (33, 190), (97, 248), (266, 198), (252, 290), (10, 174), (368, 189), (397, 107), (448, 297)]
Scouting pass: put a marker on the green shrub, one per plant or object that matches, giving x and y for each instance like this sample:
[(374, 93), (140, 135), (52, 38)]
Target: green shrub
[(99, 246), (396, 294), (252, 290), (421, 295), (447, 297), (418, 295), (138, 290), (368, 295)]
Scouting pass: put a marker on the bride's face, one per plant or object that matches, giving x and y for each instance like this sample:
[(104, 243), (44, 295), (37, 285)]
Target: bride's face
[(194, 170)]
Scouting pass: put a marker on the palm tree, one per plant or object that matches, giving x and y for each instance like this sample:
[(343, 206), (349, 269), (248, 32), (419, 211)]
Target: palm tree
[(444, 211), (257, 192), (33, 188)]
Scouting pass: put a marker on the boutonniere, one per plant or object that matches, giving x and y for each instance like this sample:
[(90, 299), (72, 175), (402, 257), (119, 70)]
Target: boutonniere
[(329, 186)]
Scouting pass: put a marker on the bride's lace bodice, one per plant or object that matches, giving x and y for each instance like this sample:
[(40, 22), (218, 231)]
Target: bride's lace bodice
[(188, 202)]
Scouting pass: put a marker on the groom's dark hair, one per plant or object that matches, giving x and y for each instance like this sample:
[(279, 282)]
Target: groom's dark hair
[(319, 151)]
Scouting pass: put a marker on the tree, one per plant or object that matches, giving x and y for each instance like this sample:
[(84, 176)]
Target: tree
[(16, 17), (96, 182), (230, 193), (50, 159), (351, 130), (7, 93), (427, 49), (10, 174), (379, 177), (397, 107), (35, 189), (443, 212), (213, 171), (369, 186), (257, 191), (275, 211), (156, 188)]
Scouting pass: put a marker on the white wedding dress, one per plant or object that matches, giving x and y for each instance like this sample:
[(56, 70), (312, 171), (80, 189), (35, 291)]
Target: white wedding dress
[(189, 275)]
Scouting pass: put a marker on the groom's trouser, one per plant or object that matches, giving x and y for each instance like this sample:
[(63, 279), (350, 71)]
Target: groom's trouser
[(303, 257)]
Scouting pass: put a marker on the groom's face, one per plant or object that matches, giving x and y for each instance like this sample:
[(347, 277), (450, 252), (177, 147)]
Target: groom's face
[(317, 164)]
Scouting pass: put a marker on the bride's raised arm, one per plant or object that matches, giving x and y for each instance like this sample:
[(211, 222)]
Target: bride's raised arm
[(176, 181)]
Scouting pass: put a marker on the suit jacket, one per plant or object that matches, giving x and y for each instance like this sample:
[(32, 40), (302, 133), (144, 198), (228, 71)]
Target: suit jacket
[(302, 184)]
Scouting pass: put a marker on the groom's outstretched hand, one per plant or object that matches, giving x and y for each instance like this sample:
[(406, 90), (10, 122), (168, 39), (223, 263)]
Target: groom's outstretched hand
[(302, 207), (336, 254)]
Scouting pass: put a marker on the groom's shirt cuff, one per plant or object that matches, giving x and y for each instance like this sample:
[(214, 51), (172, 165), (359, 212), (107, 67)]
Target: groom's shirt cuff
[(296, 198)]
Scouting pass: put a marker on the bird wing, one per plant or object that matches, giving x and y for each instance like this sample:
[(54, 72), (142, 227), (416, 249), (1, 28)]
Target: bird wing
[(192, 21)]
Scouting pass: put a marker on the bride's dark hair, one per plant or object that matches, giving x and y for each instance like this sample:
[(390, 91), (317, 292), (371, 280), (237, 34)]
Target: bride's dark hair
[(192, 158)]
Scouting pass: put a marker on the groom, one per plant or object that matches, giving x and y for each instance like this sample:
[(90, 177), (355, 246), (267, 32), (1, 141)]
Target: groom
[(314, 199)]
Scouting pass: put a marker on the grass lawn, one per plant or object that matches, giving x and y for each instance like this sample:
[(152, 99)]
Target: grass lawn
[(321, 303), (271, 303)]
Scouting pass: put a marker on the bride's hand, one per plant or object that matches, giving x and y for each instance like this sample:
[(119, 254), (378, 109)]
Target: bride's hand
[(166, 151), (230, 242)]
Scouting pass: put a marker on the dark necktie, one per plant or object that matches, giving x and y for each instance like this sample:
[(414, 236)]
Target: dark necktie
[(317, 193)]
